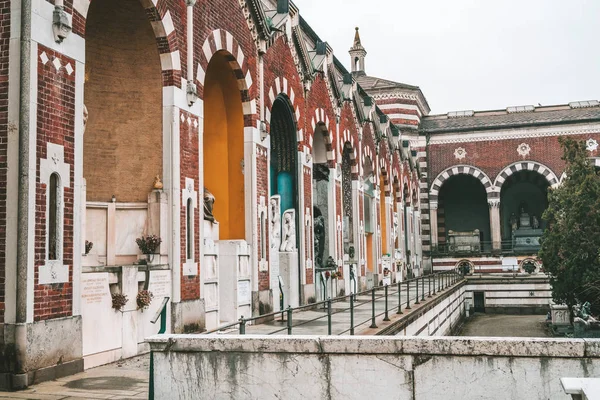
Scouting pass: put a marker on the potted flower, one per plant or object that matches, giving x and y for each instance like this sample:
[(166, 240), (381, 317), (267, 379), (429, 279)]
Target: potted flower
[(118, 301), (148, 245)]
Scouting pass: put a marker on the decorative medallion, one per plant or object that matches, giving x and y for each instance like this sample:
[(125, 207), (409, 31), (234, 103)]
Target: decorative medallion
[(460, 153), (591, 144), (523, 149)]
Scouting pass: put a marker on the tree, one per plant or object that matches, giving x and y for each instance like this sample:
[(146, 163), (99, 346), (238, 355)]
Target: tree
[(570, 246)]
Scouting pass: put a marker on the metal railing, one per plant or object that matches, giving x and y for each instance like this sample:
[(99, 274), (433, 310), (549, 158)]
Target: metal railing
[(405, 291), (485, 248)]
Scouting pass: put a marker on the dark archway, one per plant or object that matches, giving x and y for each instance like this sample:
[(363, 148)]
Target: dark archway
[(123, 142), (463, 207), (348, 222), (321, 190), (224, 146), (523, 193)]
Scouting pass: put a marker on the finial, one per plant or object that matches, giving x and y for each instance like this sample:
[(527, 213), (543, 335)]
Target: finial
[(356, 37)]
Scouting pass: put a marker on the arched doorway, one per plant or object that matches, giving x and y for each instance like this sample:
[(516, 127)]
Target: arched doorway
[(224, 146), (463, 215), (123, 140), (321, 191), (523, 200)]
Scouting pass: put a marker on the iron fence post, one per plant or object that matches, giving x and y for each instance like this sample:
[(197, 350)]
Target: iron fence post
[(386, 317), (417, 289), (407, 294), (242, 326), (289, 320), (373, 325), (429, 284), (434, 278), (399, 298), (329, 316), (352, 314), (423, 288)]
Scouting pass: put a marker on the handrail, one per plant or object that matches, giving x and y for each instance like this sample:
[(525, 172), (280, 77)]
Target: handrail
[(441, 280)]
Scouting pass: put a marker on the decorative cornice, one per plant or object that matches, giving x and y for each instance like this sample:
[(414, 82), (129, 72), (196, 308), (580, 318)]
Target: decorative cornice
[(424, 108)]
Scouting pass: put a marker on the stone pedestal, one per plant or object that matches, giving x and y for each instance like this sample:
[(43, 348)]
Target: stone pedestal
[(527, 239), (288, 270)]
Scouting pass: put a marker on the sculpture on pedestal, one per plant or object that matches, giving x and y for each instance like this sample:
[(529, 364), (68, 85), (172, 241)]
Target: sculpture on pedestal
[(209, 201), (319, 239), (275, 218), (288, 231)]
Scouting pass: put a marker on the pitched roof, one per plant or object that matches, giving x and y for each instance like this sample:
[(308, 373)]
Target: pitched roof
[(374, 83), (504, 119)]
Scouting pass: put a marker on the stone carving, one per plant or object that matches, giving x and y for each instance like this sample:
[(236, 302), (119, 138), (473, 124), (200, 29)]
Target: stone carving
[(85, 117), (460, 153), (158, 185), (288, 231), (61, 26), (275, 219), (591, 144), (536, 222), (524, 149), (209, 201), (319, 239)]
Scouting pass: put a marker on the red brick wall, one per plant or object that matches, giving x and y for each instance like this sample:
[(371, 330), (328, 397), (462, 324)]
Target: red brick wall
[(494, 155), (55, 123), (262, 183), (4, 42), (188, 141)]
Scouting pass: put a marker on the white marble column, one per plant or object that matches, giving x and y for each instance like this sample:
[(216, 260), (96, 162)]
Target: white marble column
[(494, 205), (433, 223)]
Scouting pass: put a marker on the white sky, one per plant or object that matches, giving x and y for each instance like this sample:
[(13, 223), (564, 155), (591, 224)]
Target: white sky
[(471, 54)]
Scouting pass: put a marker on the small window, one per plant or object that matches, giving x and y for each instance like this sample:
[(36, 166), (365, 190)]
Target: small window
[(53, 218), (190, 229)]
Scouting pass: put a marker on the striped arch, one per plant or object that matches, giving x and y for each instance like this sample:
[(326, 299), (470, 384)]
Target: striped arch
[(281, 86), (164, 31), (221, 40), (348, 143), (543, 170), (458, 170), (383, 168), (320, 123), (368, 153)]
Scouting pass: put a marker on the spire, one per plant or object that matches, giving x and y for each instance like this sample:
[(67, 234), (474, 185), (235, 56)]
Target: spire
[(357, 55)]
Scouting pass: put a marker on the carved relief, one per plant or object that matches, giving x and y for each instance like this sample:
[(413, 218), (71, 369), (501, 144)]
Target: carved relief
[(524, 149), (288, 231), (275, 220), (460, 153)]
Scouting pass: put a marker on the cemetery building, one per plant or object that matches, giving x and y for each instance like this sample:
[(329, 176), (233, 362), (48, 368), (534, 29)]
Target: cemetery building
[(231, 131)]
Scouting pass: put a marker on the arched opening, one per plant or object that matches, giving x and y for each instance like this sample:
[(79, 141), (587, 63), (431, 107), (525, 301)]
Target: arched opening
[(320, 198), (356, 64), (224, 146), (463, 215), (523, 200), (123, 95), (54, 218), (284, 155), (406, 226), (348, 221), (385, 212)]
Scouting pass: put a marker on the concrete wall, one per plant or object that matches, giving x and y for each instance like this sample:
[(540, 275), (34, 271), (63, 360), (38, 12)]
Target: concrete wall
[(522, 294), (439, 316), (221, 367)]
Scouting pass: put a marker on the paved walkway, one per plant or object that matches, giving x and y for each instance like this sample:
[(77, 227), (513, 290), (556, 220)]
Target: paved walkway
[(127, 379), (501, 325)]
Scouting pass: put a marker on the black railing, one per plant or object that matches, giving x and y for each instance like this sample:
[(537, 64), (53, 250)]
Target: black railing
[(405, 292)]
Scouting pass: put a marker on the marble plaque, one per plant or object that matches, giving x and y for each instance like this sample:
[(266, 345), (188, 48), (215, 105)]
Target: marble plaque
[(244, 293)]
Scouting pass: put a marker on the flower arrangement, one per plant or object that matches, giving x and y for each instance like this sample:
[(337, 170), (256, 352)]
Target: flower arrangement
[(143, 299), (118, 301), (148, 244), (88, 247), (334, 275), (327, 274)]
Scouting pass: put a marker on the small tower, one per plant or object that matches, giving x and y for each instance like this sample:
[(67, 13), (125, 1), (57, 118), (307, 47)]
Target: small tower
[(357, 56)]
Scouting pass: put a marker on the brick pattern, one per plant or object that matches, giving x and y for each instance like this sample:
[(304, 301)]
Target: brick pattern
[(262, 182), (55, 124), (4, 42), (188, 142)]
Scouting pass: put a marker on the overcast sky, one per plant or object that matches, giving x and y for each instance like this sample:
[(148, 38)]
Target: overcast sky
[(471, 54)]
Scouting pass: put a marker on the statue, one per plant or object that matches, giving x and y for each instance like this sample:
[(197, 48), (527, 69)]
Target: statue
[(321, 172), (275, 222), (513, 221), (157, 183), (536, 223), (209, 201), (85, 117), (288, 232), (319, 238)]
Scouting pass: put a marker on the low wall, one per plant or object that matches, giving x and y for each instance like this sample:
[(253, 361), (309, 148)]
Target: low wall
[(260, 367), (520, 294), (438, 316)]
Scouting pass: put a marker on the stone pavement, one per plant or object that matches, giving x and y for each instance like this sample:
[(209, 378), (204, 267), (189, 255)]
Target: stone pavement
[(126, 379), (501, 325)]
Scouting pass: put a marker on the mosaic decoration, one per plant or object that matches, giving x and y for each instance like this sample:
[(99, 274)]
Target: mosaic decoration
[(460, 153), (591, 144), (523, 149)]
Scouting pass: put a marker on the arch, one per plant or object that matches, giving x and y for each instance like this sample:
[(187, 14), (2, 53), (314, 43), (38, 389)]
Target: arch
[(477, 173), (463, 262), (224, 145), (281, 86), (162, 26), (223, 42), (531, 260), (535, 166)]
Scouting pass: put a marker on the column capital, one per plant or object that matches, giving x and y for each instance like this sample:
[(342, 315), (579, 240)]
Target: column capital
[(493, 203), (191, 3)]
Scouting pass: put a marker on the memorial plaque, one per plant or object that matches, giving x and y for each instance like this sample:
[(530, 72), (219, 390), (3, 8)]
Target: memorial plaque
[(160, 283), (244, 293), (94, 289)]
